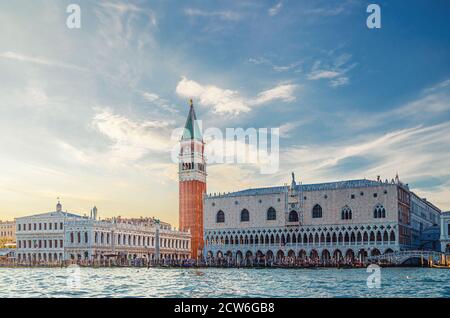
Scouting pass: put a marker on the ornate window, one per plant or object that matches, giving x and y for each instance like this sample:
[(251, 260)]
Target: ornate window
[(379, 212), (245, 215), (293, 216), (271, 214), (317, 211), (346, 213), (220, 217)]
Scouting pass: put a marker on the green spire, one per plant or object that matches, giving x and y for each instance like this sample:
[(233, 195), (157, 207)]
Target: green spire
[(191, 129)]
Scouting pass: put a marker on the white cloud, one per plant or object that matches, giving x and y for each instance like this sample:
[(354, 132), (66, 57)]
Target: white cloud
[(222, 100), (340, 81), (283, 92), (287, 128), (320, 74), (413, 152), (223, 15), (228, 101), (277, 68), (334, 71), (124, 8), (38, 60), (132, 139), (151, 97), (430, 103), (275, 9)]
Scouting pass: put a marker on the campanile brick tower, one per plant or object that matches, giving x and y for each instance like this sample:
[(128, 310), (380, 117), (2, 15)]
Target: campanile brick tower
[(192, 182)]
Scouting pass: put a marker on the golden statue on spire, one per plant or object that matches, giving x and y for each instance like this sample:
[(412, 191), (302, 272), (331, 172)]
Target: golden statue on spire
[(191, 103)]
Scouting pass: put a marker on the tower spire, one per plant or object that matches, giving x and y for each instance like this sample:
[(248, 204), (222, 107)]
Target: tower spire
[(293, 184), (191, 127)]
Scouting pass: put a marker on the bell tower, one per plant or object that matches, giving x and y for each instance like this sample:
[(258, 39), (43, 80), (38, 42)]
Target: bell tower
[(192, 181)]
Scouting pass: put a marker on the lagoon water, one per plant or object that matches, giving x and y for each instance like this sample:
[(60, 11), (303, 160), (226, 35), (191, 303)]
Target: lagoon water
[(220, 282)]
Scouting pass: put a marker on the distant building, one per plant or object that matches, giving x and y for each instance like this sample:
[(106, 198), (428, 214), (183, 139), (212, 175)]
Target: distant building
[(425, 227), (7, 254), (7, 233), (445, 232), (345, 219), (59, 235)]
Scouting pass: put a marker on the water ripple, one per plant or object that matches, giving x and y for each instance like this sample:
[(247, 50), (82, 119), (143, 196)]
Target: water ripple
[(215, 282)]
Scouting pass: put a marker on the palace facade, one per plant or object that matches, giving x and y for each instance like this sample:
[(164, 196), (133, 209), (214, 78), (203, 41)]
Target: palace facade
[(337, 220), (59, 236), (445, 232)]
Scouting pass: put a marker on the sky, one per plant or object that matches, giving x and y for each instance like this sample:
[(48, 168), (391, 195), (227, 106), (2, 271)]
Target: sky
[(88, 114)]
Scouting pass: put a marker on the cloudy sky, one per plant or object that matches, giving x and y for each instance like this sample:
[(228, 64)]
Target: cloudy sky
[(88, 114)]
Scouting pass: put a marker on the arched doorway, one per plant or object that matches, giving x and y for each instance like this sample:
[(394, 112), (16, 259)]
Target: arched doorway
[(362, 255), (249, 258), (259, 257), (280, 256), (302, 254), (313, 255), (350, 255), (326, 256), (337, 255), (375, 252), (269, 256)]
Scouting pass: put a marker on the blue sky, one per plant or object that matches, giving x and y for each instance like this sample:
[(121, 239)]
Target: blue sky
[(87, 114)]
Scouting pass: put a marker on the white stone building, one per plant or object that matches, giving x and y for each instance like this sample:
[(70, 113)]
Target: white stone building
[(445, 232), (59, 235), (425, 225), (347, 219)]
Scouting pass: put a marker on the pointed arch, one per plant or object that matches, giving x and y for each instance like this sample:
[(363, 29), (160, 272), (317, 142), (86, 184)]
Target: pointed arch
[(317, 211), (271, 214), (359, 238), (346, 213), (392, 237), (220, 217), (293, 216), (245, 215), (379, 211)]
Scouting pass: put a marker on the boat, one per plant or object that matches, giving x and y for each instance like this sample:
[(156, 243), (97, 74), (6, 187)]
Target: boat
[(441, 266)]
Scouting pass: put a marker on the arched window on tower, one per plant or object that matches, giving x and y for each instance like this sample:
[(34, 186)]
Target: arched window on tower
[(317, 211), (220, 217), (293, 216), (346, 213), (271, 214), (245, 215), (379, 212)]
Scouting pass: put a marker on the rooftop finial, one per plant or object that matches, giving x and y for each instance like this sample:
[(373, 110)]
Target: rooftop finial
[(58, 206), (191, 103), (293, 184)]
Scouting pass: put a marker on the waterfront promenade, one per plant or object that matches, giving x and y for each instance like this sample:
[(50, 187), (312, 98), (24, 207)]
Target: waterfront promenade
[(405, 258)]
